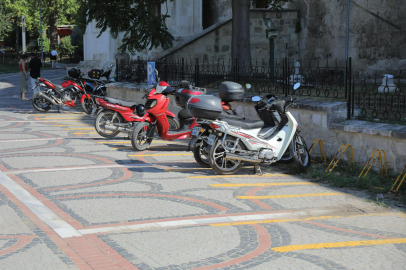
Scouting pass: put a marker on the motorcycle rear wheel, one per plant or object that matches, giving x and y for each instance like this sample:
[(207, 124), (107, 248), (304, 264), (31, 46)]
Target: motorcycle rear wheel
[(102, 118), (200, 155), (39, 103), (217, 160)]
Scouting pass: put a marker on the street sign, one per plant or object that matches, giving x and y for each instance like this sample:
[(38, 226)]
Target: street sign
[(150, 73)]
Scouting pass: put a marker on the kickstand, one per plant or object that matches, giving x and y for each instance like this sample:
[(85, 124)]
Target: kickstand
[(59, 109), (257, 169)]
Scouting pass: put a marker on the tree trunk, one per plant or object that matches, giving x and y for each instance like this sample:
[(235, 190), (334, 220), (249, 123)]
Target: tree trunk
[(53, 32), (240, 44)]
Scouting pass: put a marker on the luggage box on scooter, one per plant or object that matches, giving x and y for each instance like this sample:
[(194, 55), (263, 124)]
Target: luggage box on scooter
[(205, 107), (94, 74), (182, 95), (231, 91)]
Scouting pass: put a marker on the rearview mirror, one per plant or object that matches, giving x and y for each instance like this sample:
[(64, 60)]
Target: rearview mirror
[(296, 86), (156, 73), (248, 86), (256, 98)]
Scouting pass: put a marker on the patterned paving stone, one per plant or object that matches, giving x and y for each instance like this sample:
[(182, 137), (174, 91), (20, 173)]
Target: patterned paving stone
[(28, 162), (11, 223), (126, 209)]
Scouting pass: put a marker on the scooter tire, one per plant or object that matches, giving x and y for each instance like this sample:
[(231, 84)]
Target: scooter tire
[(287, 157), (298, 150), (99, 130), (36, 99), (213, 160), (197, 153), (87, 105), (173, 123), (141, 129)]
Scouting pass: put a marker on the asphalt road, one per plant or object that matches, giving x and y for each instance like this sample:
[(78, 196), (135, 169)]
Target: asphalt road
[(70, 199)]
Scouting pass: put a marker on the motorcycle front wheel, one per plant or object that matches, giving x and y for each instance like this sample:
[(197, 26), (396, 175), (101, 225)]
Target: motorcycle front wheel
[(200, 155), (40, 103), (298, 150), (217, 155), (87, 105), (106, 117), (139, 139)]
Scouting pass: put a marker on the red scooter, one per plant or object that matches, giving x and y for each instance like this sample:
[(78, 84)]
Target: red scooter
[(115, 116)]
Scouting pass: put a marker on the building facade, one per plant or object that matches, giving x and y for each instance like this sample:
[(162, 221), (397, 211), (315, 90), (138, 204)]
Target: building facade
[(312, 30)]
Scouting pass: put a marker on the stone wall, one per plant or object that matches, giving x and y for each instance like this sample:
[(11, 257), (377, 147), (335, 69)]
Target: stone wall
[(216, 44), (317, 120), (377, 32)]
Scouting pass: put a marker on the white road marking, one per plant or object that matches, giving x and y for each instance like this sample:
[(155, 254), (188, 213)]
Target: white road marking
[(47, 139), (200, 221), (61, 227)]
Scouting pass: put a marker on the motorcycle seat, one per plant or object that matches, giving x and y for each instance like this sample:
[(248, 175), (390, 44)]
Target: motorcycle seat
[(226, 114), (245, 124), (120, 102)]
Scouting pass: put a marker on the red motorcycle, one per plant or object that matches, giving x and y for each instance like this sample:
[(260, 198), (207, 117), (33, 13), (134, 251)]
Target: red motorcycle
[(87, 89), (43, 100), (115, 116)]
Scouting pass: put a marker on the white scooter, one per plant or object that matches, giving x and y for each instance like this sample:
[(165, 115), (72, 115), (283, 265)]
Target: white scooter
[(233, 143)]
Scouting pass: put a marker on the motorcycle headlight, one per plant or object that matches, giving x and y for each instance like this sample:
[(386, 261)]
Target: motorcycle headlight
[(151, 103)]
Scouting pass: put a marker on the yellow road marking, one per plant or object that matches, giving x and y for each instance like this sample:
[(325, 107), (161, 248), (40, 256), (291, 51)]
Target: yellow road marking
[(288, 196), (154, 155), (294, 219), (341, 244), (86, 133), (227, 176), (263, 184), (78, 128)]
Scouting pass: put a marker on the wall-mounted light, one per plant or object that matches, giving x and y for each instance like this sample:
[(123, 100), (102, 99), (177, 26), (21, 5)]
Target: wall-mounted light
[(270, 25)]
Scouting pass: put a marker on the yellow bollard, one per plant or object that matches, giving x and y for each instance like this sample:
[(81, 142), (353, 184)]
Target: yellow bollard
[(377, 152), (322, 152), (346, 149), (401, 182)]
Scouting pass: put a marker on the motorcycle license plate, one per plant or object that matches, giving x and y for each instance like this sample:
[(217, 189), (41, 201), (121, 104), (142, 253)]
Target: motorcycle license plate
[(195, 131), (210, 139)]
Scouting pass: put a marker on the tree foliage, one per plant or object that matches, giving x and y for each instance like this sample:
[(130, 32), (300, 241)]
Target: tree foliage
[(137, 19), (5, 20), (66, 47), (53, 13)]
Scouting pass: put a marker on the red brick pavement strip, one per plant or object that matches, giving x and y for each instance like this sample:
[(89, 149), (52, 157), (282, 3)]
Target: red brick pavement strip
[(85, 252), (52, 206), (252, 192), (221, 208), (16, 125), (346, 230), (58, 142), (23, 240), (264, 244), (127, 174)]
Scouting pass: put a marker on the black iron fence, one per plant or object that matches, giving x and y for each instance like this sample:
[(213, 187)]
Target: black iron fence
[(365, 95)]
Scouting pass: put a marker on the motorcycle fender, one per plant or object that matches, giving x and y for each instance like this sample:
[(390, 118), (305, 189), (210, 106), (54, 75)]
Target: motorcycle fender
[(83, 97), (168, 113), (70, 104)]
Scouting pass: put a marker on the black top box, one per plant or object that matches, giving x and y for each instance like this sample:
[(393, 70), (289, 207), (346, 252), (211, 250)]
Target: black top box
[(205, 107), (231, 91), (182, 95), (94, 74)]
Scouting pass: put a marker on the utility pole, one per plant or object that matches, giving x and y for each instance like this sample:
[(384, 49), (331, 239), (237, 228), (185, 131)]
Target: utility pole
[(23, 34), (40, 33)]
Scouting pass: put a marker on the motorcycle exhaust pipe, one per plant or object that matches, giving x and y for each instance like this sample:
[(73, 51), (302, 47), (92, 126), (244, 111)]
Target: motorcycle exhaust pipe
[(48, 98), (116, 128), (243, 158)]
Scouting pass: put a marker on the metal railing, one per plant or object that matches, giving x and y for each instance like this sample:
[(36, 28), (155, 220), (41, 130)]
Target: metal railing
[(366, 96)]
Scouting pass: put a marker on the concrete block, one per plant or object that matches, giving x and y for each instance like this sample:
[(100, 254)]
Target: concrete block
[(316, 119)]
